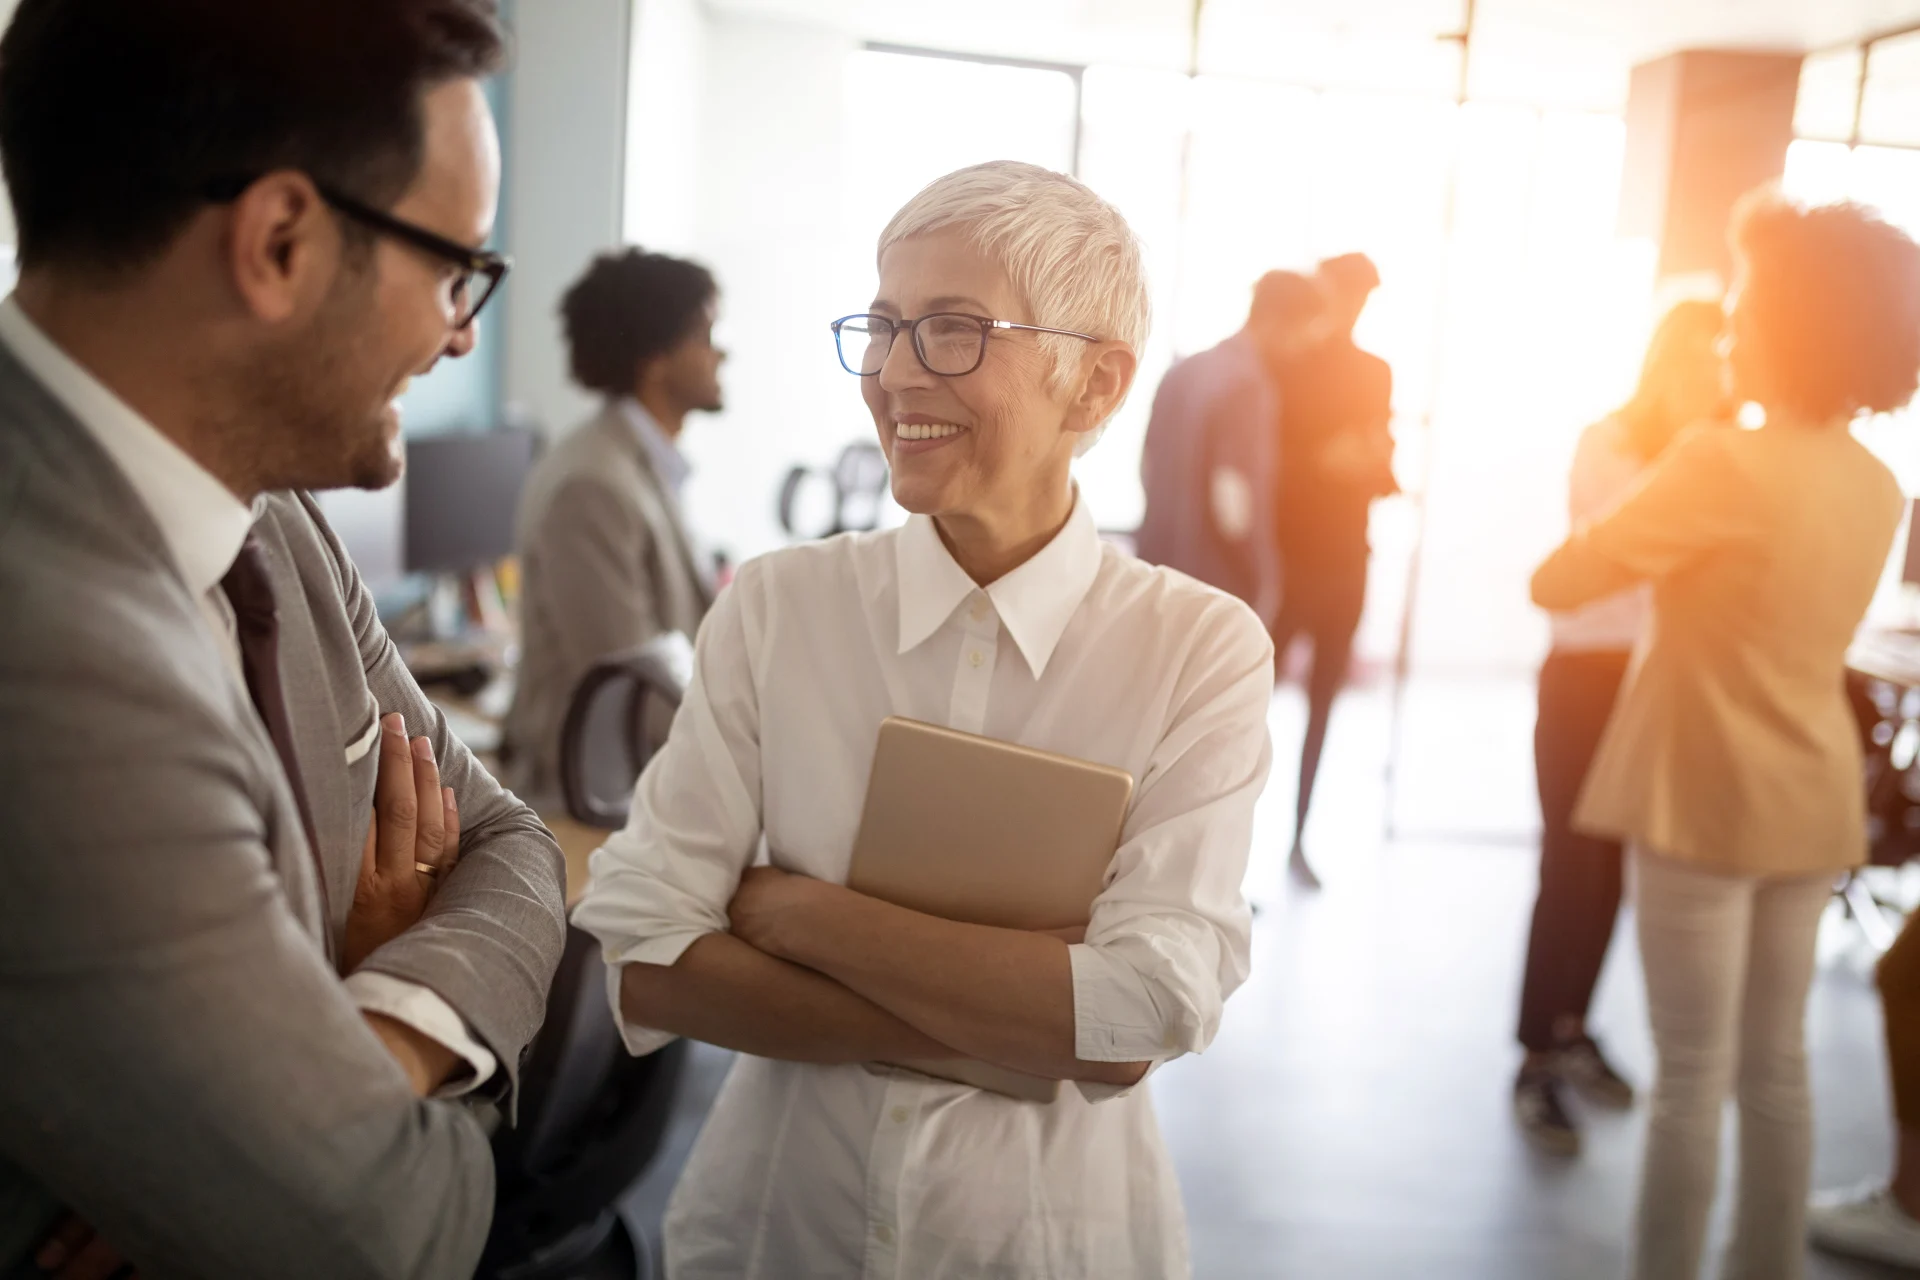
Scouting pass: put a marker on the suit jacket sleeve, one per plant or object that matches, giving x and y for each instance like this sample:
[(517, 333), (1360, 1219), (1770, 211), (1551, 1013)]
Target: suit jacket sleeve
[(179, 1063), (493, 933), (598, 552), (1690, 503)]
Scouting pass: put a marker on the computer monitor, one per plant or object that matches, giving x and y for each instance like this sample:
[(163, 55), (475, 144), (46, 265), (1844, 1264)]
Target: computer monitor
[(462, 491)]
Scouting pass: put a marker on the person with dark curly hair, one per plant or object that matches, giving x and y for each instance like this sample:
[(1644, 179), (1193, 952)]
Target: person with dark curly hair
[(607, 560), (1732, 765)]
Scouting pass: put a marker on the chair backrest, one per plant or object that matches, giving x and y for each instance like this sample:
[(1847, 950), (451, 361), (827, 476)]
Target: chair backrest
[(853, 490), (617, 718), (592, 1119)]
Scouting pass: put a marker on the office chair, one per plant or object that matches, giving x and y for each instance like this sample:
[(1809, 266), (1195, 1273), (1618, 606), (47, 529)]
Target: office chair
[(592, 1118), (858, 484), (617, 718)]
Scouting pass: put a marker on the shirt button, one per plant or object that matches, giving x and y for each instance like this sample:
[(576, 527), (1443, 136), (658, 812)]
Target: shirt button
[(900, 1115), (883, 1233), (980, 611), (977, 658)]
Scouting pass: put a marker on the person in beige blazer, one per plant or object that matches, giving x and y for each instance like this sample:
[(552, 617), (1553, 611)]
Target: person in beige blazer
[(1732, 764), (606, 557)]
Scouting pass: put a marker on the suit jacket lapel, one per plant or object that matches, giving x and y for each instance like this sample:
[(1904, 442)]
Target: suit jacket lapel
[(286, 840), (320, 739), (697, 565)]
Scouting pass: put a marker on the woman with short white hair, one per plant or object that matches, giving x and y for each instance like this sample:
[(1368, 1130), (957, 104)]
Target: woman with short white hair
[(1011, 310)]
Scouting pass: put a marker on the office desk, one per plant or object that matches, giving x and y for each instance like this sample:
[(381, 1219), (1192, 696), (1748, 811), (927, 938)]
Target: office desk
[(1887, 654)]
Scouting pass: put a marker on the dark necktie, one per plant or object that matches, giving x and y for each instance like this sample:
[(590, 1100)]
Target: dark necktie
[(257, 626)]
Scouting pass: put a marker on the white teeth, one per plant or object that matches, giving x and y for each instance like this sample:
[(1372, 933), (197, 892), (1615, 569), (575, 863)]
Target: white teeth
[(925, 430)]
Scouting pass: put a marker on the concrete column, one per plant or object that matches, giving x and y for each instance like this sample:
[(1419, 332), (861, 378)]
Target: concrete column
[(1704, 127)]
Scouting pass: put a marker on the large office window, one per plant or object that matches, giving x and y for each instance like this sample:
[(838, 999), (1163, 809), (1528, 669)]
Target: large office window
[(1510, 314)]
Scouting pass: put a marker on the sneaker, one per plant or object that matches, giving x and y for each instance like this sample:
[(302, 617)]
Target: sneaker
[(1581, 1064), (1865, 1222), (1542, 1114)]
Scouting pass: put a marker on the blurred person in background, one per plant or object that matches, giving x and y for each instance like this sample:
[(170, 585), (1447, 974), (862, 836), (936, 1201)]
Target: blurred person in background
[(1881, 1220), (1012, 304), (1336, 457), (1208, 465), (607, 559), (1681, 385), (1732, 764)]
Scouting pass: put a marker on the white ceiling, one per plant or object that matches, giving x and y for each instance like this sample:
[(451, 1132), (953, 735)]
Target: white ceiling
[(1559, 52)]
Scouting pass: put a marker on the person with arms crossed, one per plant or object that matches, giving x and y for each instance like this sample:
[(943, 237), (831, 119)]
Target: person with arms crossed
[(260, 911), (1012, 304), (607, 559), (1732, 765)]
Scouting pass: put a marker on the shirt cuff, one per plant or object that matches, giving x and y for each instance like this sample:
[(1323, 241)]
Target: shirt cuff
[(432, 1017), (664, 951), (1114, 1016)]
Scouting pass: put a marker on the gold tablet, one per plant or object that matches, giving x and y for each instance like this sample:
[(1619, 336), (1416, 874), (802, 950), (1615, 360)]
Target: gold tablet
[(973, 829), (987, 832)]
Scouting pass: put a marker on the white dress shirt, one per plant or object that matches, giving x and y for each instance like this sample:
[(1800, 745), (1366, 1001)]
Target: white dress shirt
[(203, 525), (1606, 468), (845, 1171)]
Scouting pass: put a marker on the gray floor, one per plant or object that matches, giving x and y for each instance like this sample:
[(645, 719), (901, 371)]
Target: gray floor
[(1351, 1120)]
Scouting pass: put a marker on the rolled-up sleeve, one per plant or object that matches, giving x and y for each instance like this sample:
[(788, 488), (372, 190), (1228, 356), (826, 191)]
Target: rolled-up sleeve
[(1170, 935), (665, 879)]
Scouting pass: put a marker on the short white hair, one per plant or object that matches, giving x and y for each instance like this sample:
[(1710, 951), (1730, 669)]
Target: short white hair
[(1072, 257)]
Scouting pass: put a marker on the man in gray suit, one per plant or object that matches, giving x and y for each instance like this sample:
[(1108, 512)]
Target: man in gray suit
[(261, 916), (607, 560), (1209, 464)]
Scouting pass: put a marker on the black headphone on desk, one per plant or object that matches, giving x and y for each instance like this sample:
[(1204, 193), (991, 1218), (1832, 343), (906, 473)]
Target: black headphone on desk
[(844, 498)]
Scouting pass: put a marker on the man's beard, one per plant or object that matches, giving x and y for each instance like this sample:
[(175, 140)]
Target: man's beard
[(315, 414)]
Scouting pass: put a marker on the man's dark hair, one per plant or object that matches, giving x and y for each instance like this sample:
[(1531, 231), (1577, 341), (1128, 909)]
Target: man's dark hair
[(117, 116), (1284, 298), (1353, 274), (628, 308), (1833, 292)]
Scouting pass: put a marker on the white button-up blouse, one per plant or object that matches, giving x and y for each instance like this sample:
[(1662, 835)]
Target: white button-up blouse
[(808, 1170)]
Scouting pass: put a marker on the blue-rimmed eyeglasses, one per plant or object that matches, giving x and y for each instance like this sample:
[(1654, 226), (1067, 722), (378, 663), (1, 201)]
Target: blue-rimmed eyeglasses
[(949, 343)]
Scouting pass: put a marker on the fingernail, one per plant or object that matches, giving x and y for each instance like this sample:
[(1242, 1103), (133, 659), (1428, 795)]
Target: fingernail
[(446, 796), (394, 724), (423, 749)]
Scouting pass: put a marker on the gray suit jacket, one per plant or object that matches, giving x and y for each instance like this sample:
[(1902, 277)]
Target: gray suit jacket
[(179, 1062), (606, 563)]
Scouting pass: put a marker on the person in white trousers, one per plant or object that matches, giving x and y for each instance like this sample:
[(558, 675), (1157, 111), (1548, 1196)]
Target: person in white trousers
[(1732, 764)]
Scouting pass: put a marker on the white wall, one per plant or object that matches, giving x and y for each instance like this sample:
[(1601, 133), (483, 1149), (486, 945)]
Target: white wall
[(665, 110), (566, 130), (770, 227)]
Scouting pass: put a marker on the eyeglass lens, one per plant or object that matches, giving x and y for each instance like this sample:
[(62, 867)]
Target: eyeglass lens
[(947, 344)]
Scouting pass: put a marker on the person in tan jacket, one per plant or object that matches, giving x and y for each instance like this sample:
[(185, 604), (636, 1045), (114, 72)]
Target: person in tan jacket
[(1732, 764), (607, 558)]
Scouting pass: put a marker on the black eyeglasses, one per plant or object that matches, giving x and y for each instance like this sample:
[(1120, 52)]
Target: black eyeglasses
[(949, 343), (482, 270)]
